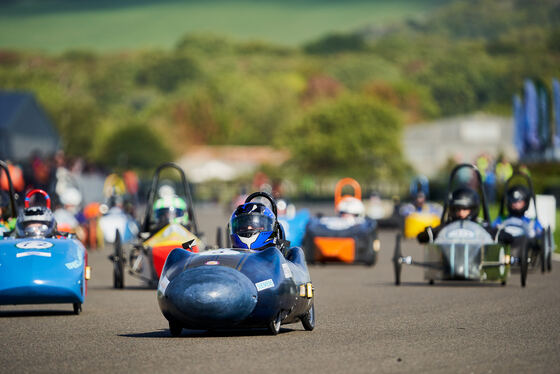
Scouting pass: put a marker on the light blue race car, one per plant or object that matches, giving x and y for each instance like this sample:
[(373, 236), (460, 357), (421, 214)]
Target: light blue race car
[(39, 265)]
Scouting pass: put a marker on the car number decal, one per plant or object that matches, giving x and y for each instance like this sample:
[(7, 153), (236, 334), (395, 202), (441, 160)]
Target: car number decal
[(34, 253), (163, 283), (461, 234), (287, 271), (215, 252), (34, 244), (269, 283)]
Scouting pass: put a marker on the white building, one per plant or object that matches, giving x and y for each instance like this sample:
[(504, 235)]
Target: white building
[(428, 146)]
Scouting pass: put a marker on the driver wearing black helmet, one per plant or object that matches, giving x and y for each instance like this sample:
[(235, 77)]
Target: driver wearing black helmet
[(517, 202), (464, 204)]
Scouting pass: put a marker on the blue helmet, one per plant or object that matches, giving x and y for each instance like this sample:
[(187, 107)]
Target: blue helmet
[(252, 225)]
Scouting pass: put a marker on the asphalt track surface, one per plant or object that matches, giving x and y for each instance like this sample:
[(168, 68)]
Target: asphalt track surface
[(365, 324)]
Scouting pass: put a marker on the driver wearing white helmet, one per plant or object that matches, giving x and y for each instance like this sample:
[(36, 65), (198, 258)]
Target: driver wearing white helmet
[(351, 208)]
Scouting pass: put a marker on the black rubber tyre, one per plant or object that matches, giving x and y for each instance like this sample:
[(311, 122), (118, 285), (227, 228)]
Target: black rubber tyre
[(175, 329), (219, 237), (372, 254), (397, 262), (274, 325), (309, 250), (524, 262), (542, 254), (77, 308), (308, 319), (549, 239), (118, 263)]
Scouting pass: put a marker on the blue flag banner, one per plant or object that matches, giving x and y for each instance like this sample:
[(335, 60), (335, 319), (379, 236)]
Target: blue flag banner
[(544, 121), (531, 115), (556, 106)]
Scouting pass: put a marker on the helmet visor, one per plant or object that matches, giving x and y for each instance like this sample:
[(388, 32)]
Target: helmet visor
[(36, 229), (168, 213), (248, 223), (516, 196)]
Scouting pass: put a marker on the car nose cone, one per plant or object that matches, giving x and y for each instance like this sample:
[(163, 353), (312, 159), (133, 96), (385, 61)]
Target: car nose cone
[(212, 294)]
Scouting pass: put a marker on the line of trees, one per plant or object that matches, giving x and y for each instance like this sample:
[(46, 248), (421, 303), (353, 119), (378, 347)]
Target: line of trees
[(338, 103)]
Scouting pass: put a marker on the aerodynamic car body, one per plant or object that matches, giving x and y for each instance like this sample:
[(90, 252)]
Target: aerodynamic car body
[(417, 217), (235, 288), (294, 226), (42, 270), (116, 219)]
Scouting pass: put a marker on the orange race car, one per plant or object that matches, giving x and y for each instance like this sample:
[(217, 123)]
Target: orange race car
[(349, 237)]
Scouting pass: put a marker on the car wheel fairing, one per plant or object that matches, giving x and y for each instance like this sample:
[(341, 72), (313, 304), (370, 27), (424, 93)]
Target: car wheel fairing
[(175, 329), (77, 308), (502, 260), (308, 319)]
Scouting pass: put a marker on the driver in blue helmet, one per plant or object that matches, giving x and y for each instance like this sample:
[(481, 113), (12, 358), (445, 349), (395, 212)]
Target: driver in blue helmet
[(464, 204), (253, 226), (517, 202)]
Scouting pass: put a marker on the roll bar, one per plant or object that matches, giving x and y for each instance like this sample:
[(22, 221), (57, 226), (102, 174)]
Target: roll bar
[(267, 196), (346, 182), (527, 178), (153, 192), (444, 214), (37, 192)]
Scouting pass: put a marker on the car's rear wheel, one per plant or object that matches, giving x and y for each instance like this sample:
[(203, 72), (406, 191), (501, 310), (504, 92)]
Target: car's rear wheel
[(308, 320)]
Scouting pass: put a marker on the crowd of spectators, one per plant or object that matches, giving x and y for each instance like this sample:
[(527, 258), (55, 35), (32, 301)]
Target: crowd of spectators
[(495, 172)]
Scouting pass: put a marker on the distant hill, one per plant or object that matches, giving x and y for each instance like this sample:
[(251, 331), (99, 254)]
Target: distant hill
[(57, 25)]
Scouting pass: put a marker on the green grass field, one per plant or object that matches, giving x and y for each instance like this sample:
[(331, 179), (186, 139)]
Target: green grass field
[(57, 25)]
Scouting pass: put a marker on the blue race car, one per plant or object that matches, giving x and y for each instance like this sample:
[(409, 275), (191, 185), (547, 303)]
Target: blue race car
[(37, 264), (532, 241), (294, 223), (236, 288)]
